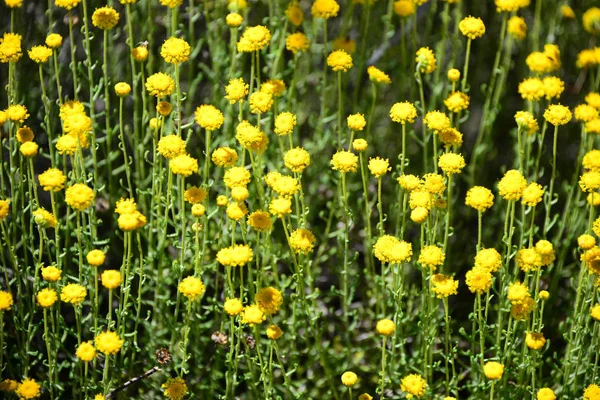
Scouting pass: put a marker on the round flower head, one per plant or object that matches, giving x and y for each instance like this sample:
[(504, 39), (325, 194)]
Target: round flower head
[(339, 60), (404, 8), (518, 292), (479, 198), (274, 332), (595, 312), (235, 256), (425, 60), (160, 85), (194, 195), (175, 388), (40, 54), (51, 274), (349, 379), (108, 342), (254, 38), (403, 112), (260, 221), (73, 293), (585, 113), (557, 114), (593, 99), (252, 315), (224, 157), (130, 222), (54, 40), (586, 242), (344, 43), (420, 198), (274, 87), (534, 340), (488, 259), (532, 195), (567, 12), (526, 122), (510, 5), (589, 181), (325, 9), (360, 145), (111, 279), (478, 280), (236, 176), (592, 392), (86, 351), (437, 121), (13, 3), (44, 218), (234, 20), (493, 370), (391, 250), (198, 210), (233, 306), (379, 166), (251, 137), (46, 297), (236, 90), (10, 48), (67, 4), (296, 159), (419, 215), (122, 89), (280, 207), (385, 327), (95, 258), (553, 87), (453, 75), (545, 394), (79, 196), (24, 134), (29, 149), (344, 161), (28, 388), (431, 257), (236, 211), (517, 27), (171, 3), (17, 113), (378, 76), (285, 123), (451, 163), (444, 286), (302, 241), (260, 102), (183, 165), (472, 27), (191, 287), (296, 42), (512, 185), (171, 146), (409, 182), (356, 122), (532, 89), (457, 102), (105, 18), (209, 117), (591, 20), (269, 300), (6, 301), (414, 385), (529, 260), (140, 53)]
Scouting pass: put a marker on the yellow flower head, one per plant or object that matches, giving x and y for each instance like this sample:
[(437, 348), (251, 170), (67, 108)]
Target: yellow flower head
[(6, 300), (586, 242), (236, 90), (105, 18), (111, 279), (325, 9), (171, 3), (17, 112), (437, 121), (493, 370), (254, 38), (385, 327), (132, 221), (512, 185), (28, 388), (234, 20), (175, 51), (235, 256), (444, 285), (175, 388), (251, 137), (532, 195), (391, 250), (294, 13), (404, 8), (183, 165), (451, 163), (349, 379), (280, 207), (532, 89), (545, 393), (589, 181), (44, 218), (414, 385), (378, 76), (488, 259), (191, 287), (10, 48), (269, 300), (453, 75), (260, 102), (478, 280), (140, 53), (209, 117), (171, 146), (431, 257), (8, 385), (51, 274), (40, 54), (479, 198), (360, 145), (567, 13), (472, 27), (86, 351), (160, 85), (339, 60), (296, 42), (585, 113), (379, 166), (73, 293), (296, 159), (344, 161), (108, 342), (527, 122), (252, 315), (29, 149), (95, 258), (46, 297), (426, 60), (54, 40), (79, 196), (356, 122), (403, 112), (233, 306), (285, 123), (557, 114), (517, 27), (260, 221), (529, 260), (457, 102), (274, 332), (535, 340), (591, 20), (302, 241)]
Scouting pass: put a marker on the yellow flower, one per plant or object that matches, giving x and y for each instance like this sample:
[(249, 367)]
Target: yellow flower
[(46, 297), (29, 149), (44, 218), (251, 137), (451, 163), (404, 8), (437, 121), (280, 207), (591, 20), (191, 287), (194, 195), (419, 214), (457, 102), (285, 123), (17, 112), (349, 379), (472, 27), (171, 146), (568, 13), (546, 393), (344, 161), (108, 342), (366, 396), (10, 48), (385, 327), (585, 113), (391, 250), (171, 3), (86, 351), (546, 250), (339, 60), (140, 53), (209, 117), (260, 221), (586, 242), (493, 370), (414, 386), (532, 195), (175, 50), (160, 85), (557, 114), (425, 60), (198, 210), (434, 184), (28, 388), (73, 293), (4, 209), (51, 274), (13, 3), (478, 280), (479, 198), (296, 42), (518, 292), (8, 385), (235, 256), (531, 89), (236, 211), (95, 258), (360, 145), (40, 54), (105, 18), (274, 87), (183, 165), (269, 300), (378, 76), (403, 112), (260, 102), (252, 315), (122, 89), (296, 159), (595, 312), (67, 4), (379, 166), (132, 221), (79, 196), (54, 40), (24, 134), (302, 241), (553, 87), (325, 9), (512, 185), (274, 332), (175, 388), (111, 279), (526, 121), (529, 260), (444, 286), (236, 90), (254, 38), (356, 122), (234, 20), (294, 13), (593, 126), (517, 27), (534, 340), (233, 306), (488, 259), (589, 181), (453, 75), (431, 257), (510, 5)]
